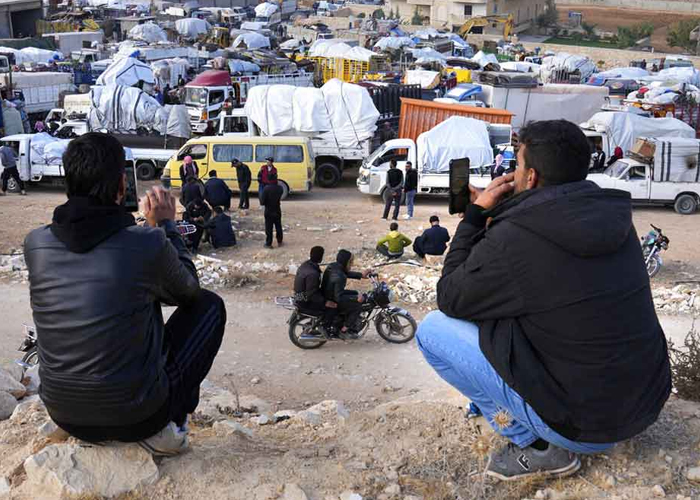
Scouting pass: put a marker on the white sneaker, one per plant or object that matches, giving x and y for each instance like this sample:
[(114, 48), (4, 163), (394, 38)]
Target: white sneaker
[(407, 217), (170, 441)]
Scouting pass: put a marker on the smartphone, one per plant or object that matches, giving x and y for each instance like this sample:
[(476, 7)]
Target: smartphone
[(131, 197), (459, 185)]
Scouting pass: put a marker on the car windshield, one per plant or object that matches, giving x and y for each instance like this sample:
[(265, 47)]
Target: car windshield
[(195, 96), (616, 169)]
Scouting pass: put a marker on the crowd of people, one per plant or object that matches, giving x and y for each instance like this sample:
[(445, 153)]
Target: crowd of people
[(433, 241)]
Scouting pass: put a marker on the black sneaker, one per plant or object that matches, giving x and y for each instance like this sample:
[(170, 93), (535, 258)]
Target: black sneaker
[(511, 463)]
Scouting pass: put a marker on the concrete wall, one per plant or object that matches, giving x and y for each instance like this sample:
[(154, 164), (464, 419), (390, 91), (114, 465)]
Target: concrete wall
[(684, 6), (450, 13)]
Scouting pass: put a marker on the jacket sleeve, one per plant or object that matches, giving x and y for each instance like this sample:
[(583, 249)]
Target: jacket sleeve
[(177, 282), (405, 240), (383, 241), (478, 281), (354, 275)]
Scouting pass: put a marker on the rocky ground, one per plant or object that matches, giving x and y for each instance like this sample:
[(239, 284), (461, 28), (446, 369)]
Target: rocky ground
[(362, 419)]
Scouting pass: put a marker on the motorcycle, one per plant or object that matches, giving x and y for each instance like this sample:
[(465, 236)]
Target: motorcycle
[(393, 324), (28, 347), (652, 245)]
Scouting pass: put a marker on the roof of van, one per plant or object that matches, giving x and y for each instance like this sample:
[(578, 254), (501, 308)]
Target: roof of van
[(227, 139)]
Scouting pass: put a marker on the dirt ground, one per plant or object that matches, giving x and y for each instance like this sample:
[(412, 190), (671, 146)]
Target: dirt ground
[(609, 18)]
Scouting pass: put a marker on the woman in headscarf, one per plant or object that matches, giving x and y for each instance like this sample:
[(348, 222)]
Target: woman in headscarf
[(617, 155)]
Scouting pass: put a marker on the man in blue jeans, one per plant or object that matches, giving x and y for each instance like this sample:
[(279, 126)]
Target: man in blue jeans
[(546, 316)]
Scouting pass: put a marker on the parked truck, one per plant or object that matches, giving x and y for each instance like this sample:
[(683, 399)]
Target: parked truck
[(41, 91), (667, 174)]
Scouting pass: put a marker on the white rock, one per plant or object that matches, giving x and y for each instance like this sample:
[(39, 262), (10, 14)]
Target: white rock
[(255, 380), (14, 370), (331, 408), (293, 492), (4, 486), (658, 491), (292, 269), (25, 407), (8, 403), (314, 229), (9, 384), (693, 474), (50, 430), (32, 380), (309, 417), (393, 489), (261, 420), (73, 470), (232, 427), (350, 495)]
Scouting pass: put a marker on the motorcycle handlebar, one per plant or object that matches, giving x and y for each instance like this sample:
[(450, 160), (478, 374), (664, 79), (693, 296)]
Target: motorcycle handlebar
[(655, 228)]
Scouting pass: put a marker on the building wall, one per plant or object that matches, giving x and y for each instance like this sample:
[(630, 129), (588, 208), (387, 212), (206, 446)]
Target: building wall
[(685, 6), (451, 13)]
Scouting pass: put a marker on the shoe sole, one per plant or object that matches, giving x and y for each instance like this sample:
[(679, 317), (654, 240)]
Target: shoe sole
[(569, 470)]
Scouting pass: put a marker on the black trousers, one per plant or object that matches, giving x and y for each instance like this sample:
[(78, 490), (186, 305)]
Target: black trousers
[(418, 247), (7, 174), (273, 221), (396, 201), (350, 308), (193, 335), (244, 198), (382, 249)]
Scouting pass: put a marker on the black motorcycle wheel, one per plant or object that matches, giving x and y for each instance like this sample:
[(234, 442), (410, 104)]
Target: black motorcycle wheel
[(300, 325), (396, 327), (31, 358)]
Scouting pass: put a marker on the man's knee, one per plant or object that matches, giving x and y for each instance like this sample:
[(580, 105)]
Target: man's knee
[(212, 302), (437, 327)]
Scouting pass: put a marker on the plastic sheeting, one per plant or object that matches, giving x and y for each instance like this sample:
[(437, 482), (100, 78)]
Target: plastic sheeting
[(623, 129), (265, 9), (676, 160), (168, 71), (238, 66), (128, 71), (568, 63), (292, 43), (627, 72), (521, 66), (426, 34), (483, 59), (456, 137), (427, 54), (34, 55), (47, 150), (120, 108), (173, 121), (394, 42), (251, 41), (339, 112), (679, 75), (191, 27), (337, 49), (148, 32), (426, 79)]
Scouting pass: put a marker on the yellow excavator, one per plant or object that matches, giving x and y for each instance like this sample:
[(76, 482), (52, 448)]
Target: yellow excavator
[(482, 22)]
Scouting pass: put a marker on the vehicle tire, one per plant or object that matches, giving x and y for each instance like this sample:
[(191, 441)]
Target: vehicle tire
[(653, 266), (299, 325), (396, 327), (31, 358), (686, 204), (285, 190), (145, 171), (12, 185), (328, 175)]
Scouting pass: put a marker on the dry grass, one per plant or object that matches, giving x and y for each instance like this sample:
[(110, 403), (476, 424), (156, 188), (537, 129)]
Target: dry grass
[(685, 366)]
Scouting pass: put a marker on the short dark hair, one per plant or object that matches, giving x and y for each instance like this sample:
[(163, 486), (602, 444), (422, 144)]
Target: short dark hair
[(557, 149), (392, 163), (212, 173), (316, 254), (434, 218), (218, 210), (409, 163), (394, 227), (94, 165)]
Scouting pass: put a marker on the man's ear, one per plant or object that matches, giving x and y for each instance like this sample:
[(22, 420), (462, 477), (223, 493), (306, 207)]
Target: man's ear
[(121, 193), (533, 178)]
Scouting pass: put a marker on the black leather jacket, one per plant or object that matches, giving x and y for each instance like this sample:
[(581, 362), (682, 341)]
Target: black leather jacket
[(96, 291), (335, 278)]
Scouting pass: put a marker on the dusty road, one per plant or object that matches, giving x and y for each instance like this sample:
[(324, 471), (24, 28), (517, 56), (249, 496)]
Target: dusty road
[(256, 343)]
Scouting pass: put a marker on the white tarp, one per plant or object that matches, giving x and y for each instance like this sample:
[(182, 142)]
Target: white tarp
[(427, 34), (339, 112), (623, 129), (19, 58), (677, 75), (238, 66), (168, 71), (265, 9), (251, 41), (569, 63), (394, 42), (173, 120), (456, 137), (428, 54), (426, 79), (483, 59), (292, 43), (191, 27), (677, 160), (253, 26), (336, 49), (520, 66), (32, 54), (128, 72), (627, 72), (120, 108), (148, 32), (46, 149)]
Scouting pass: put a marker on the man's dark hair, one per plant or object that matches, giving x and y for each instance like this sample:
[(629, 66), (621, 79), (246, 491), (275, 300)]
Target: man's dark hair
[(272, 176), (392, 163), (343, 257), (190, 179), (94, 166), (394, 226), (316, 254), (434, 218), (557, 149), (218, 210), (212, 173), (409, 163)]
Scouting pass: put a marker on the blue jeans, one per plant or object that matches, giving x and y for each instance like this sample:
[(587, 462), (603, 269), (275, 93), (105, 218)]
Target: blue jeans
[(451, 346), (410, 198)]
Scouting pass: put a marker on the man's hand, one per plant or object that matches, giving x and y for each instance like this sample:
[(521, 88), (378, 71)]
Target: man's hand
[(494, 192), (158, 205), (361, 298), (366, 273), (331, 305)]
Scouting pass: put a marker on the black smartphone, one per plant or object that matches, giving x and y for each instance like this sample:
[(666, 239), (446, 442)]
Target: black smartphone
[(131, 197), (459, 185)]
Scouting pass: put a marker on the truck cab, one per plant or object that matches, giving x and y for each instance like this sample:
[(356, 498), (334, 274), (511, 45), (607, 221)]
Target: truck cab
[(269, 21), (236, 123), (205, 97)]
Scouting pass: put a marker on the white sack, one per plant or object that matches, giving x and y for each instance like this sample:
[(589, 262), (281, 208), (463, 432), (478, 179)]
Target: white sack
[(394, 42), (456, 137), (191, 27), (251, 41), (483, 59), (265, 9), (148, 32), (128, 72), (426, 79)]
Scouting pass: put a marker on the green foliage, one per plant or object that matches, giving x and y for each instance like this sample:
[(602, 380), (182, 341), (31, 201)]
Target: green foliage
[(679, 34), (685, 366), (549, 17), (417, 17), (628, 36), (379, 14), (590, 31), (361, 15)]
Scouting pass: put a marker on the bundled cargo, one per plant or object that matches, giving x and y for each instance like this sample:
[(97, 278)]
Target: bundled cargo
[(148, 32), (127, 72), (192, 27), (456, 137), (565, 67), (508, 79), (674, 159), (48, 150), (168, 71)]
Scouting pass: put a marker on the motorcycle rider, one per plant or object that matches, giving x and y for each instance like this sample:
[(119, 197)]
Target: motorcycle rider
[(349, 302), (307, 283)]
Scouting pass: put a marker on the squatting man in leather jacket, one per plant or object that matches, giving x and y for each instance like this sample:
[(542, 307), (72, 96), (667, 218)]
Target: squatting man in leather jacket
[(111, 368), (556, 340)]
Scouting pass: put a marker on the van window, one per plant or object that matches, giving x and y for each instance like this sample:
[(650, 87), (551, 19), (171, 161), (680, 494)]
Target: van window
[(281, 154), (236, 124), (226, 152), (196, 151)]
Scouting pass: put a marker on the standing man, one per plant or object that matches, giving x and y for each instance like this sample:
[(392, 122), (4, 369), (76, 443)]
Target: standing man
[(271, 198), (433, 241), (188, 169), (216, 192), (244, 180), (411, 187), (264, 176), (394, 186), (8, 158), (598, 159), (546, 314), (386, 133)]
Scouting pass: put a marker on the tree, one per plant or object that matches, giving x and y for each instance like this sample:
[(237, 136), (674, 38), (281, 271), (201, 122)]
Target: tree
[(628, 36), (379, 14), (590, 30), (550, 16), (417, 18), (679, 34)]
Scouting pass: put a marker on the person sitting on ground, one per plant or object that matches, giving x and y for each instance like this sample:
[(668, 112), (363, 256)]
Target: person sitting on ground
[(392, 244), (188, 169), (307, 284), (546, 315), (97, 282), (191, 191), (335, 279), (197, 213), (217, 192), (220, 230), (433, 241)]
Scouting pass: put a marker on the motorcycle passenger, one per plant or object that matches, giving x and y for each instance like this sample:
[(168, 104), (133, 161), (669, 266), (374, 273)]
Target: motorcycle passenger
[(307, 283), (349, 302)]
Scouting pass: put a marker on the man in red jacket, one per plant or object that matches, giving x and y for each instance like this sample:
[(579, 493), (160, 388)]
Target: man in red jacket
[(264, 175)]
